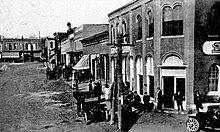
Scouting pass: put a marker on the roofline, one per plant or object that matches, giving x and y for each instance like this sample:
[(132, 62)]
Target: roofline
[(122, 7)]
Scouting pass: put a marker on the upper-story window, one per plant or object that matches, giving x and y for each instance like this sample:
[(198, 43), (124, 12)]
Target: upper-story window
[(150, 20), (51, 45), (15, 46), (5, 46), (172, 20), (10, 46), (112, 34), (213, 78), (26, 46), (124, 32), (139, 22)]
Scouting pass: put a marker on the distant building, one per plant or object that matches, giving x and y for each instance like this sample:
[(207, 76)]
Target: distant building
[(19, 50)]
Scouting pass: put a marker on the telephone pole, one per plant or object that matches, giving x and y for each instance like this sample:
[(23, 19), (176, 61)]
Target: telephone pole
[(118, 88)]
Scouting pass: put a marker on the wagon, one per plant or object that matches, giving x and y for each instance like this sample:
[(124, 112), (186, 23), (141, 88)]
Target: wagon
[(90, 108)]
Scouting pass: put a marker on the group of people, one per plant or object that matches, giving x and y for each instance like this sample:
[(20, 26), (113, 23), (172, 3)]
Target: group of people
[(60, 71)]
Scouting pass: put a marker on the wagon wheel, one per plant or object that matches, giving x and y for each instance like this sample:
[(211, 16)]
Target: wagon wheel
[(192, 125)]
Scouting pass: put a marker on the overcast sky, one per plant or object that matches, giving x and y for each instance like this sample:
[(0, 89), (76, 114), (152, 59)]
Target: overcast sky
[(28, 17)]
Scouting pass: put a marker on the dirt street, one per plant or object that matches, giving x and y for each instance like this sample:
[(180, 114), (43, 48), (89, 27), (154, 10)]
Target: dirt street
[(29, 102)]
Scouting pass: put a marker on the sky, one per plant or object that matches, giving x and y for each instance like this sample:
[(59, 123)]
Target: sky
[(45, 17)]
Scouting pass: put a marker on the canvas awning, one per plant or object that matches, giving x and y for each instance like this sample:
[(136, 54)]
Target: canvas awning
[(83, 63)]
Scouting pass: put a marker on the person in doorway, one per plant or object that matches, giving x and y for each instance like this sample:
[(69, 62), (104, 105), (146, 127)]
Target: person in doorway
[(159, 99), (179, 100)]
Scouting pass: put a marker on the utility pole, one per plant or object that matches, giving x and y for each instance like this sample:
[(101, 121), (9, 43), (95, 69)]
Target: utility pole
[(118, 88)]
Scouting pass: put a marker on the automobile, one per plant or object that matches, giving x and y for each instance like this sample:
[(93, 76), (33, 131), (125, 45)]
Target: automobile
[(207, 118)]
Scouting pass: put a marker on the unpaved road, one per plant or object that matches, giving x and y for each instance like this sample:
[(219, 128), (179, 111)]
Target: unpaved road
[(28, 102)]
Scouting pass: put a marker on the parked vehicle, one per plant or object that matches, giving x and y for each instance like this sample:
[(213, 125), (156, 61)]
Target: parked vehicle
[(208, 117)]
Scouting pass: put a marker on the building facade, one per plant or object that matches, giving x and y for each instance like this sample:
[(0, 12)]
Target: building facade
[(91, 40), (96, 47), (168, 36), (18, 50)]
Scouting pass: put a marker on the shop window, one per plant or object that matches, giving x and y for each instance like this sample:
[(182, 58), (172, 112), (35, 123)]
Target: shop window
[(150, 24), (172, 20), (139, 22), (213, 78)]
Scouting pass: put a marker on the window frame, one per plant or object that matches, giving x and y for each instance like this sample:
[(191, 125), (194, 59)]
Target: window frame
[(171, 26)]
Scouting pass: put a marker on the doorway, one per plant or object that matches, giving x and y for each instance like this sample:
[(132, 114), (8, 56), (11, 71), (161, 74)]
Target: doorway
[(168, 92), (151, 86)]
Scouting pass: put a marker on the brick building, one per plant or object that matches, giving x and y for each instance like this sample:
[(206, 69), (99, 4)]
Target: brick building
[(91, 40), (19, 50), (95, 46), (168, 36)]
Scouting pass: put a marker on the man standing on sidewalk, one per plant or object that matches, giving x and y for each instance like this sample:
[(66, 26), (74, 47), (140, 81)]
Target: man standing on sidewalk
[(159, 99)]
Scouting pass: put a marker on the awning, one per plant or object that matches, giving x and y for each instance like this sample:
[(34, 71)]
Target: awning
[(83, 63), (10, 54)]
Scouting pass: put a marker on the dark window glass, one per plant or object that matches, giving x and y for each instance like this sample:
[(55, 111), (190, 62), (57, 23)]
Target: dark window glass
[(139, 21)]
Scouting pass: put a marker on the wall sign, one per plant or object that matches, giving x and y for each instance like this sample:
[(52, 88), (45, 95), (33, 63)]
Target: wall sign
[(211, 47)]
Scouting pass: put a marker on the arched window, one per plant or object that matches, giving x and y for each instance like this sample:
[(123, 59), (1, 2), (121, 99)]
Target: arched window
[(139, 22), (124, 31), (150, 20), (178, 20), (213, 78), (172, 20), (167, 21)]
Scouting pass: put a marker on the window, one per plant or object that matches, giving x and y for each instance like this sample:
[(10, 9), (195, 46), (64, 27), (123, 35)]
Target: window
[(213, 78), (139, 22), (150, 21), (15, 46), (10, 46), (5, 46), (124, 32), (112, 34), (26, 46), (172, 21), (51, 44), (178, 20)]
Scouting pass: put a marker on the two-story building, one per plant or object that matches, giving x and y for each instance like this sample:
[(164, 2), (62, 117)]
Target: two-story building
[(168, 36), (18, 50)]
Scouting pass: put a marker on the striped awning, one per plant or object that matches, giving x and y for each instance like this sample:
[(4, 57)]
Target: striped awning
[(83, 63)]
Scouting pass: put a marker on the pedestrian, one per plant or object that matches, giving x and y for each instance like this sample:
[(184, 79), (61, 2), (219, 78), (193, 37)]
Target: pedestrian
[(136, 101), (146, 100), (198, 101), (179, 100), (98, 90), (159, 99), (90, 85)]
